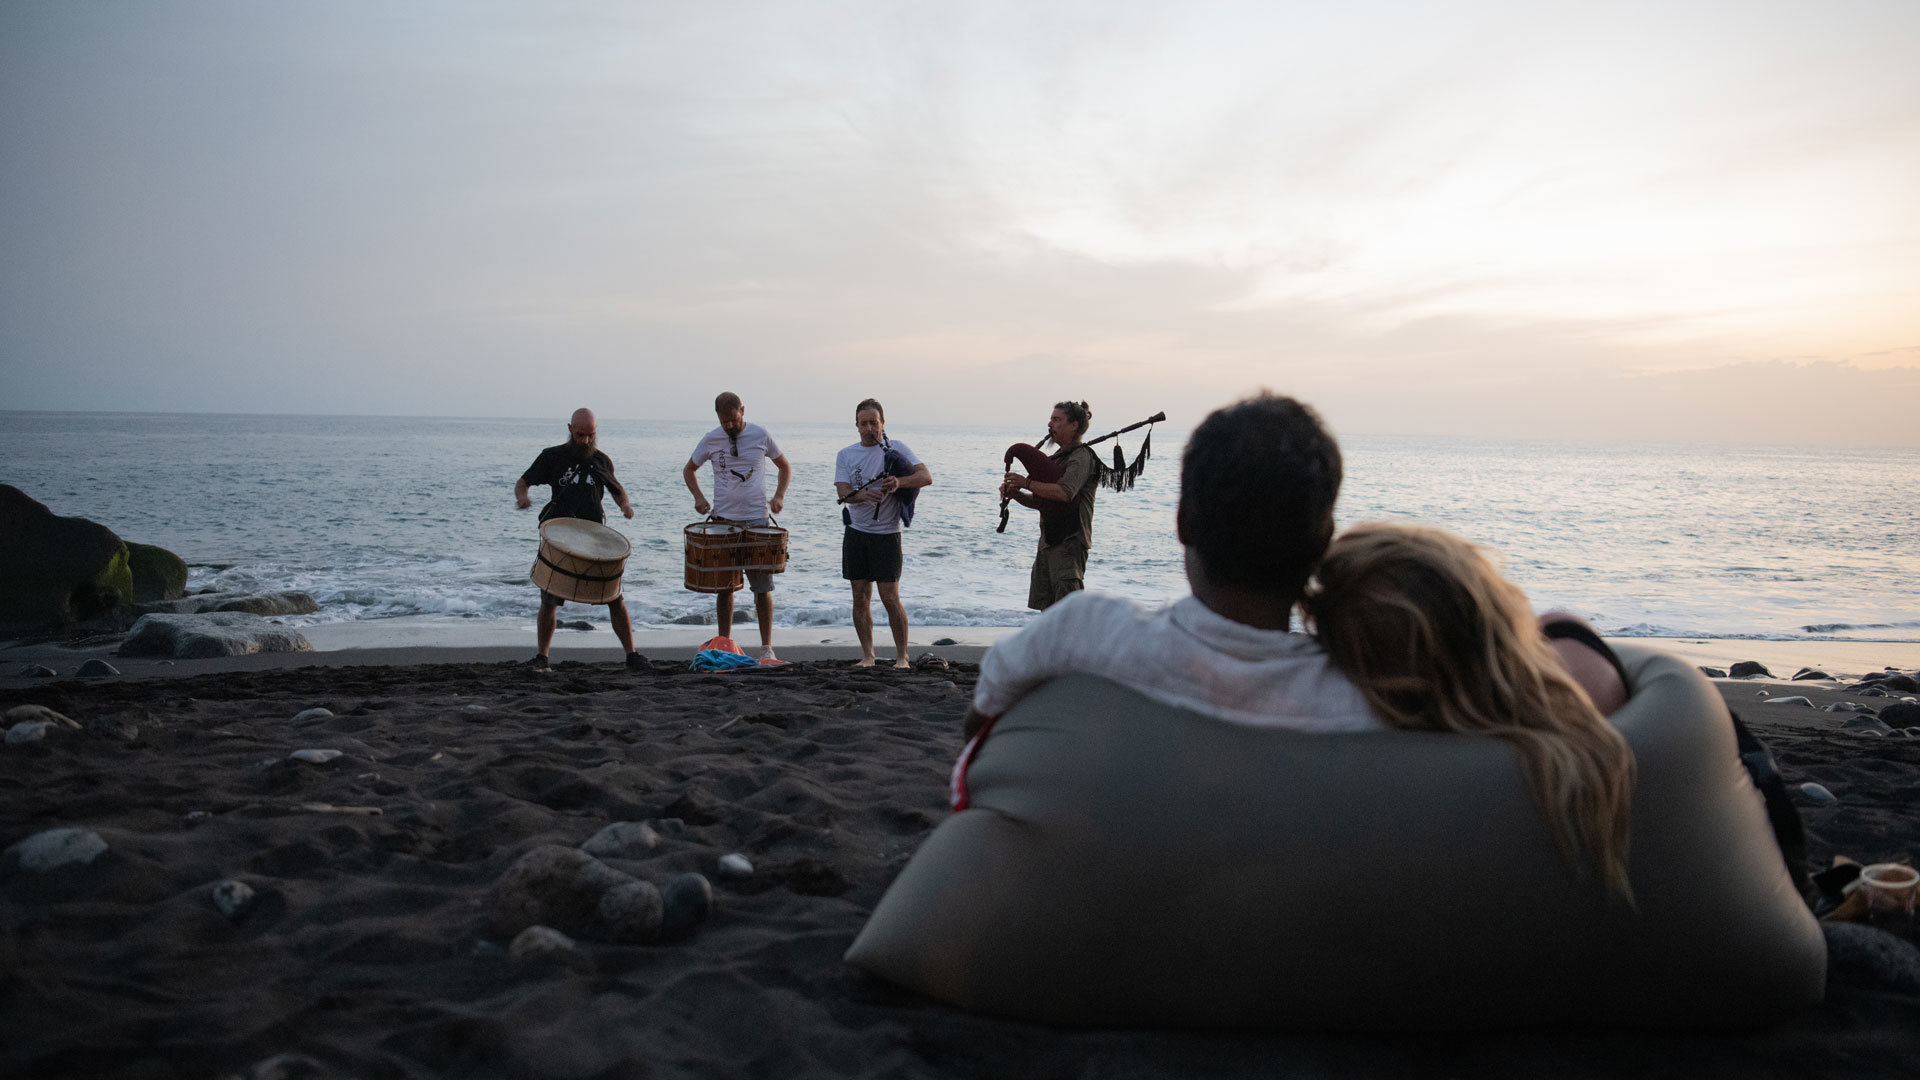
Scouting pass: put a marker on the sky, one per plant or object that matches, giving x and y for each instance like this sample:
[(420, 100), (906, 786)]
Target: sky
[(1674, 220)]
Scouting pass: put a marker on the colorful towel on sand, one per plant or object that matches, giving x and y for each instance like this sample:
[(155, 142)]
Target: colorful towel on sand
[(720, 660)]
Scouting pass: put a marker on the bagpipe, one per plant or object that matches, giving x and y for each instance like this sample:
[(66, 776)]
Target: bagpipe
[(896, 464), (1057, 519)]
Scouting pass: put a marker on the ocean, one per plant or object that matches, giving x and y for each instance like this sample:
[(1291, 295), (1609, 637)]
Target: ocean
[(391, 517)]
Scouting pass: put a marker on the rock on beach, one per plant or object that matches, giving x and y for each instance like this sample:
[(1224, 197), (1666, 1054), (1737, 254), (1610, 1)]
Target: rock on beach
[(54, 848), (572, 891), (213, 634)]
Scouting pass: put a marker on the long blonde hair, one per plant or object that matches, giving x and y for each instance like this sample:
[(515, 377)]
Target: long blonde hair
[(1437, 640)]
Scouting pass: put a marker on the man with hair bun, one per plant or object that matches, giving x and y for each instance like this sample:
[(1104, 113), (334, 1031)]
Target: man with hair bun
[(1258, 482), (1060, 565), (871, 476)]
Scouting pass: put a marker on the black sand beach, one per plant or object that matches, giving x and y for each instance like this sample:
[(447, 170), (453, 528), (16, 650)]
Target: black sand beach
[(367, 952)]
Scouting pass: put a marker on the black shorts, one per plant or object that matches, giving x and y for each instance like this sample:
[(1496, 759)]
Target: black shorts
[(870, 556)]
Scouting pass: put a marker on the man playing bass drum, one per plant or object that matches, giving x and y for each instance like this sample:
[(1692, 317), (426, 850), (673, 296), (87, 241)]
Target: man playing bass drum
[(1066, 508)]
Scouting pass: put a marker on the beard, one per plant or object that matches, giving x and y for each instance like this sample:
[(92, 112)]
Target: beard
[(579, 453)]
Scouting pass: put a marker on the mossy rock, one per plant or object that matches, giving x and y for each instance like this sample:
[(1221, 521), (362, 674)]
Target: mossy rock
[(57, 570), (158, 574)]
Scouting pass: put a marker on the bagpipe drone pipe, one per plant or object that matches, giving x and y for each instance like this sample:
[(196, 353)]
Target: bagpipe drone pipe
[(1056, 519)]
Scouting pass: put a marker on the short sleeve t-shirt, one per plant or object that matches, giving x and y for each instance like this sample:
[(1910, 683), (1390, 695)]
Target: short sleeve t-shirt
[(858, 464), (739, 470), (577, 485), (1077, 477)]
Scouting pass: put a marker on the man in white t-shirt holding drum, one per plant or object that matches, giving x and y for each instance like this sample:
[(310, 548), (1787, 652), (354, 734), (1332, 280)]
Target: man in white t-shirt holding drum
[(740, 453), (871, 476)]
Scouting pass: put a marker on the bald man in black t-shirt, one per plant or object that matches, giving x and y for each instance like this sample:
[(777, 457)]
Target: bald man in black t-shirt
[(580, 476)]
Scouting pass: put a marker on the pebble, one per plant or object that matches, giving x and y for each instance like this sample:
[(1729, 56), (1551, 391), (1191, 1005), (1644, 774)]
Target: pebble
[(542, 943), (54, 848), (1848, 706), (36, 671), (476, 707), (26, 732), (196, 816), (1816, 792), (946, 641), (623, 840), (1714, 672), (41, 712), (1748, 667), (735, 865), (1794, 700), (313, 757), (1809, 673), (96, 667), (1901, 714), (1872, 691), (1868, 722), (631, 912), (1904, 683), (686, 902), (307, 715), (234, 899)]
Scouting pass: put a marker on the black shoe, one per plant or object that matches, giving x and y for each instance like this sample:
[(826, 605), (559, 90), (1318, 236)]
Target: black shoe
[(540, 662), (636, 662)]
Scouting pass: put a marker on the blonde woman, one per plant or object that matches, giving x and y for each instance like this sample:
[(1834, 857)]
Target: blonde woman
[(1437, 640)]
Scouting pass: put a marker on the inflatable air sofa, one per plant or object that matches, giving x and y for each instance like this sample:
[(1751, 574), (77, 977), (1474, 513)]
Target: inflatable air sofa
[(1124, 863)]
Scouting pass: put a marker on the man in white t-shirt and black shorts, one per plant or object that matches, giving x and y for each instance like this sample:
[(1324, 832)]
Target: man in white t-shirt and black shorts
[(867, 476), (740, 453)]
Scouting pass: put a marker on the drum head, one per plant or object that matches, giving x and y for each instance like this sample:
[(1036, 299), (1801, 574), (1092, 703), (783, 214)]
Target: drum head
[(587, 539), (712, 529)]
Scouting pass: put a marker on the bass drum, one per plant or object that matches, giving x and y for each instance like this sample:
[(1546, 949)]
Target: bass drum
[(580, 560)]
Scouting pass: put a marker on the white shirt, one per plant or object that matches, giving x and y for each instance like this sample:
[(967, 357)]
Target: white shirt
[(1185, 655), (739, 478), (858, 464)]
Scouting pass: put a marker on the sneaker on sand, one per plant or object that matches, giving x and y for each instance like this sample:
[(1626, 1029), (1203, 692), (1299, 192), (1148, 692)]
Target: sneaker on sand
[(540, 662), (767, 659), (636, 662)]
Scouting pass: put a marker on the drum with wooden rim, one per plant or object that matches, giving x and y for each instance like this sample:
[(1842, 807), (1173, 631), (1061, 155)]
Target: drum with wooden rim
[(764, 547), (713, 557), (580, 560)]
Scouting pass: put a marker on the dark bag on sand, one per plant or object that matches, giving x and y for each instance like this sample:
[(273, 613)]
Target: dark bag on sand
[(1788, 831)]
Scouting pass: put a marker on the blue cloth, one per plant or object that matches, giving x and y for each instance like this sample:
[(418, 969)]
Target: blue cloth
[(720, 660)]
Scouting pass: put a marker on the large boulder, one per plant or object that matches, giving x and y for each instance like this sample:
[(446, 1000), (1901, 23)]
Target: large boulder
[(223, 633), (158, 574), (57, 570), (285, 602)]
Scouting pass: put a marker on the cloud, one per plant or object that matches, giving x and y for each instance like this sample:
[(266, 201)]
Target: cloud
[(1496, 218)]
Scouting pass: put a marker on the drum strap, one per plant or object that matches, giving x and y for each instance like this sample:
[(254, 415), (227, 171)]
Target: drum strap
[(577, 576)]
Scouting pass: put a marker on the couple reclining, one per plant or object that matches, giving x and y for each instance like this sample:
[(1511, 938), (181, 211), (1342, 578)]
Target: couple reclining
[(1411, 628)]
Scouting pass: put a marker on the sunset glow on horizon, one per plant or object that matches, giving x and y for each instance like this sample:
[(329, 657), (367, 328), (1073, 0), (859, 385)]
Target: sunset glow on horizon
[(1631, 221)]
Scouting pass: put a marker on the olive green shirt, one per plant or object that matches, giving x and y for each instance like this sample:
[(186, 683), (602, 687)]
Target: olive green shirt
[(1077, 478)]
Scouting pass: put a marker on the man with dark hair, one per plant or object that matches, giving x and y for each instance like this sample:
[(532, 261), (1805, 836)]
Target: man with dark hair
[(1065, 505), (1257, 489), (580, 476), (740, 453), (868, 476)]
